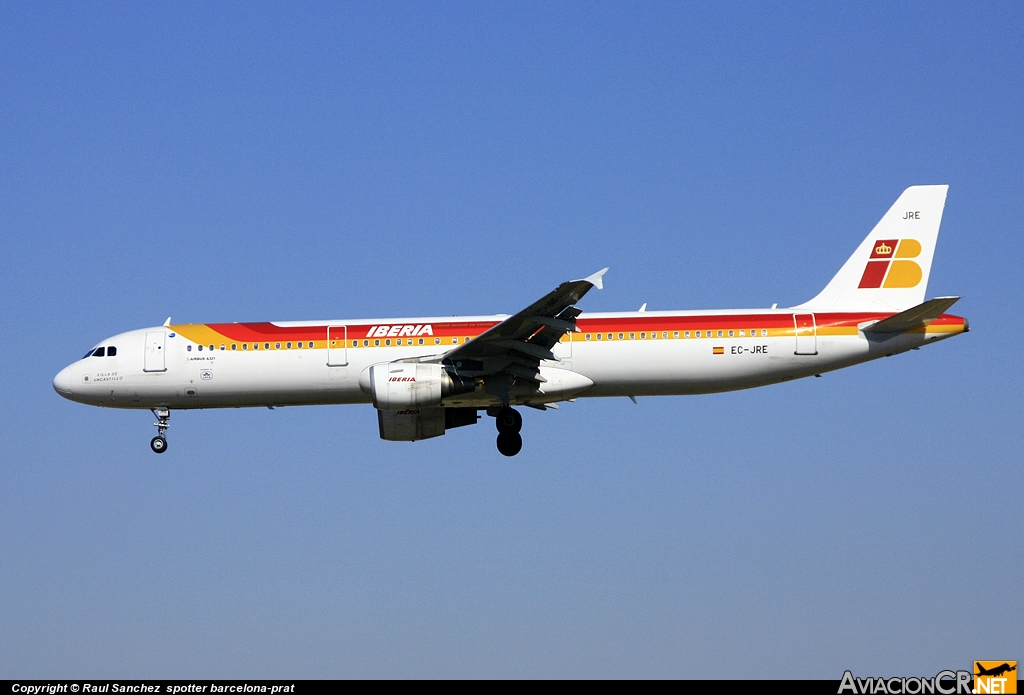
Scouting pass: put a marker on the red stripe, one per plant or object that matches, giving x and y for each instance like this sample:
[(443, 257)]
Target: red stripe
[(266, 331)]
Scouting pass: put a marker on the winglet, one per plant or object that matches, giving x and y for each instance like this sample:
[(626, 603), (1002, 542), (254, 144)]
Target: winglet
[(168, 321), (597, 279)]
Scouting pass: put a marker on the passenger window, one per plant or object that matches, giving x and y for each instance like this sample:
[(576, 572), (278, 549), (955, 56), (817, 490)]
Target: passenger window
[(266, 346), (200, 348), (245, 346), (437, 341), (366, 343), (188, 348), (234, 346), (643, 336), (764, 332), (222, 346), (632, 336), (664, 334), (111, 351), (277, 346), (255, 346), (211, 347), (588, 336), (730, 334), (376, 343), (98, 352), (421, 341), (311, 344), (620, 336), (719, 334), (686, 334), (599, 336), (609, 336), (455, 341), (388, 341)]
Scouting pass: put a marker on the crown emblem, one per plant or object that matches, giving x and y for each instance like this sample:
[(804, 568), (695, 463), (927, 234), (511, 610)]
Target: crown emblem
[(883, 249)]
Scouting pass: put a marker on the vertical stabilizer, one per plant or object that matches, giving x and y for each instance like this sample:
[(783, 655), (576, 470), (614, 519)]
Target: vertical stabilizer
[(889, 270)]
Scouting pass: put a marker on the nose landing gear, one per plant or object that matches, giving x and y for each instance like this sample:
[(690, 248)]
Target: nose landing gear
[(509, 422), (159, 443)]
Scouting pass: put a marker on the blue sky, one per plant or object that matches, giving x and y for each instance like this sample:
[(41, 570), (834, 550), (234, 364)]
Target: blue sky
[(268, 162)]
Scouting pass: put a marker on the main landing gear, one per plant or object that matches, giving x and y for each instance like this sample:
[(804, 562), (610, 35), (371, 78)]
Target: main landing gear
[(159, 443), (509, 423)]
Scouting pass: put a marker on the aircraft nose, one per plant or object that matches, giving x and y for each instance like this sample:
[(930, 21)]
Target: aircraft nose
[(63, 382)]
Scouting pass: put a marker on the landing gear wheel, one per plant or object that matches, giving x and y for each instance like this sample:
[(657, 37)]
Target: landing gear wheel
[(509, 420), (509, 443), (163, 416)]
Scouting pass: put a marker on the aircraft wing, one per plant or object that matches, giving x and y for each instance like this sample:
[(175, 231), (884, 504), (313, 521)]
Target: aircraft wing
[(914, 317), (517, 345)]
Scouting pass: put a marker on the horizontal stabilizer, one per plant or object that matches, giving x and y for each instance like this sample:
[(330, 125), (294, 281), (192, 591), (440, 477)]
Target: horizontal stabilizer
[(914, 317)]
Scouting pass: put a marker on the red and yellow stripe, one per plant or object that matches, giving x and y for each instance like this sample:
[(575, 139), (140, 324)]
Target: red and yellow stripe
[(242, 336)]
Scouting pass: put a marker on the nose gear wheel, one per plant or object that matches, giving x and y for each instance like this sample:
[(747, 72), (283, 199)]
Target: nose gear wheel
[(159, 443)]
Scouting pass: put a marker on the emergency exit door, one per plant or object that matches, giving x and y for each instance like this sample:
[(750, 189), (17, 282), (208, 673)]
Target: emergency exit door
[(337, 346)]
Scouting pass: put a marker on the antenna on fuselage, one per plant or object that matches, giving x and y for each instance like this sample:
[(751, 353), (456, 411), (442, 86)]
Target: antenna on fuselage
[(168, 321)]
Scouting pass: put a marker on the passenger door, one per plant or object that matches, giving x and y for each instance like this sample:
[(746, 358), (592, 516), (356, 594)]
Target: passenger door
[(806, 334), (155, 360)]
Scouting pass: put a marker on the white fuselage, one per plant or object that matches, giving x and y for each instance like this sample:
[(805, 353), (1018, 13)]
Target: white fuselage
[(638, 354)]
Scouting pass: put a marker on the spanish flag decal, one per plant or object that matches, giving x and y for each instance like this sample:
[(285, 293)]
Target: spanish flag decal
[(718, 351)]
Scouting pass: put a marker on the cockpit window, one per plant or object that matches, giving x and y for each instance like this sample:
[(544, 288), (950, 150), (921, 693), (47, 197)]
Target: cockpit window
[(98, 352), (111, 351)]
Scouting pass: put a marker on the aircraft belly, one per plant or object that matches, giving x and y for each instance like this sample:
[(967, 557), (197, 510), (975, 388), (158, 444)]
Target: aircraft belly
[(634, 368)]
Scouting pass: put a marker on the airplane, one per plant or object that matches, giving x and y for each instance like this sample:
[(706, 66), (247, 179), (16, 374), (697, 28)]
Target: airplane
[(427, 375), (995, 671)]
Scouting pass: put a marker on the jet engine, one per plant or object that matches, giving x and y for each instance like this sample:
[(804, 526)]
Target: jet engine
[(422, 423), (404, 385)]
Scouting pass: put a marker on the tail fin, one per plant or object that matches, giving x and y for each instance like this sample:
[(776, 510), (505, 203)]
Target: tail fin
[(889, 270)]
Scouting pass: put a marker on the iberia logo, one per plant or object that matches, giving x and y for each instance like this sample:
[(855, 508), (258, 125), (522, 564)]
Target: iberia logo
[(995, 677), (889, 266)]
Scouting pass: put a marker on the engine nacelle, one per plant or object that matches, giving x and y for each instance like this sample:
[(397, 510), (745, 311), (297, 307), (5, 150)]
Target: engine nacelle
[(410, 385), (412, 424)]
